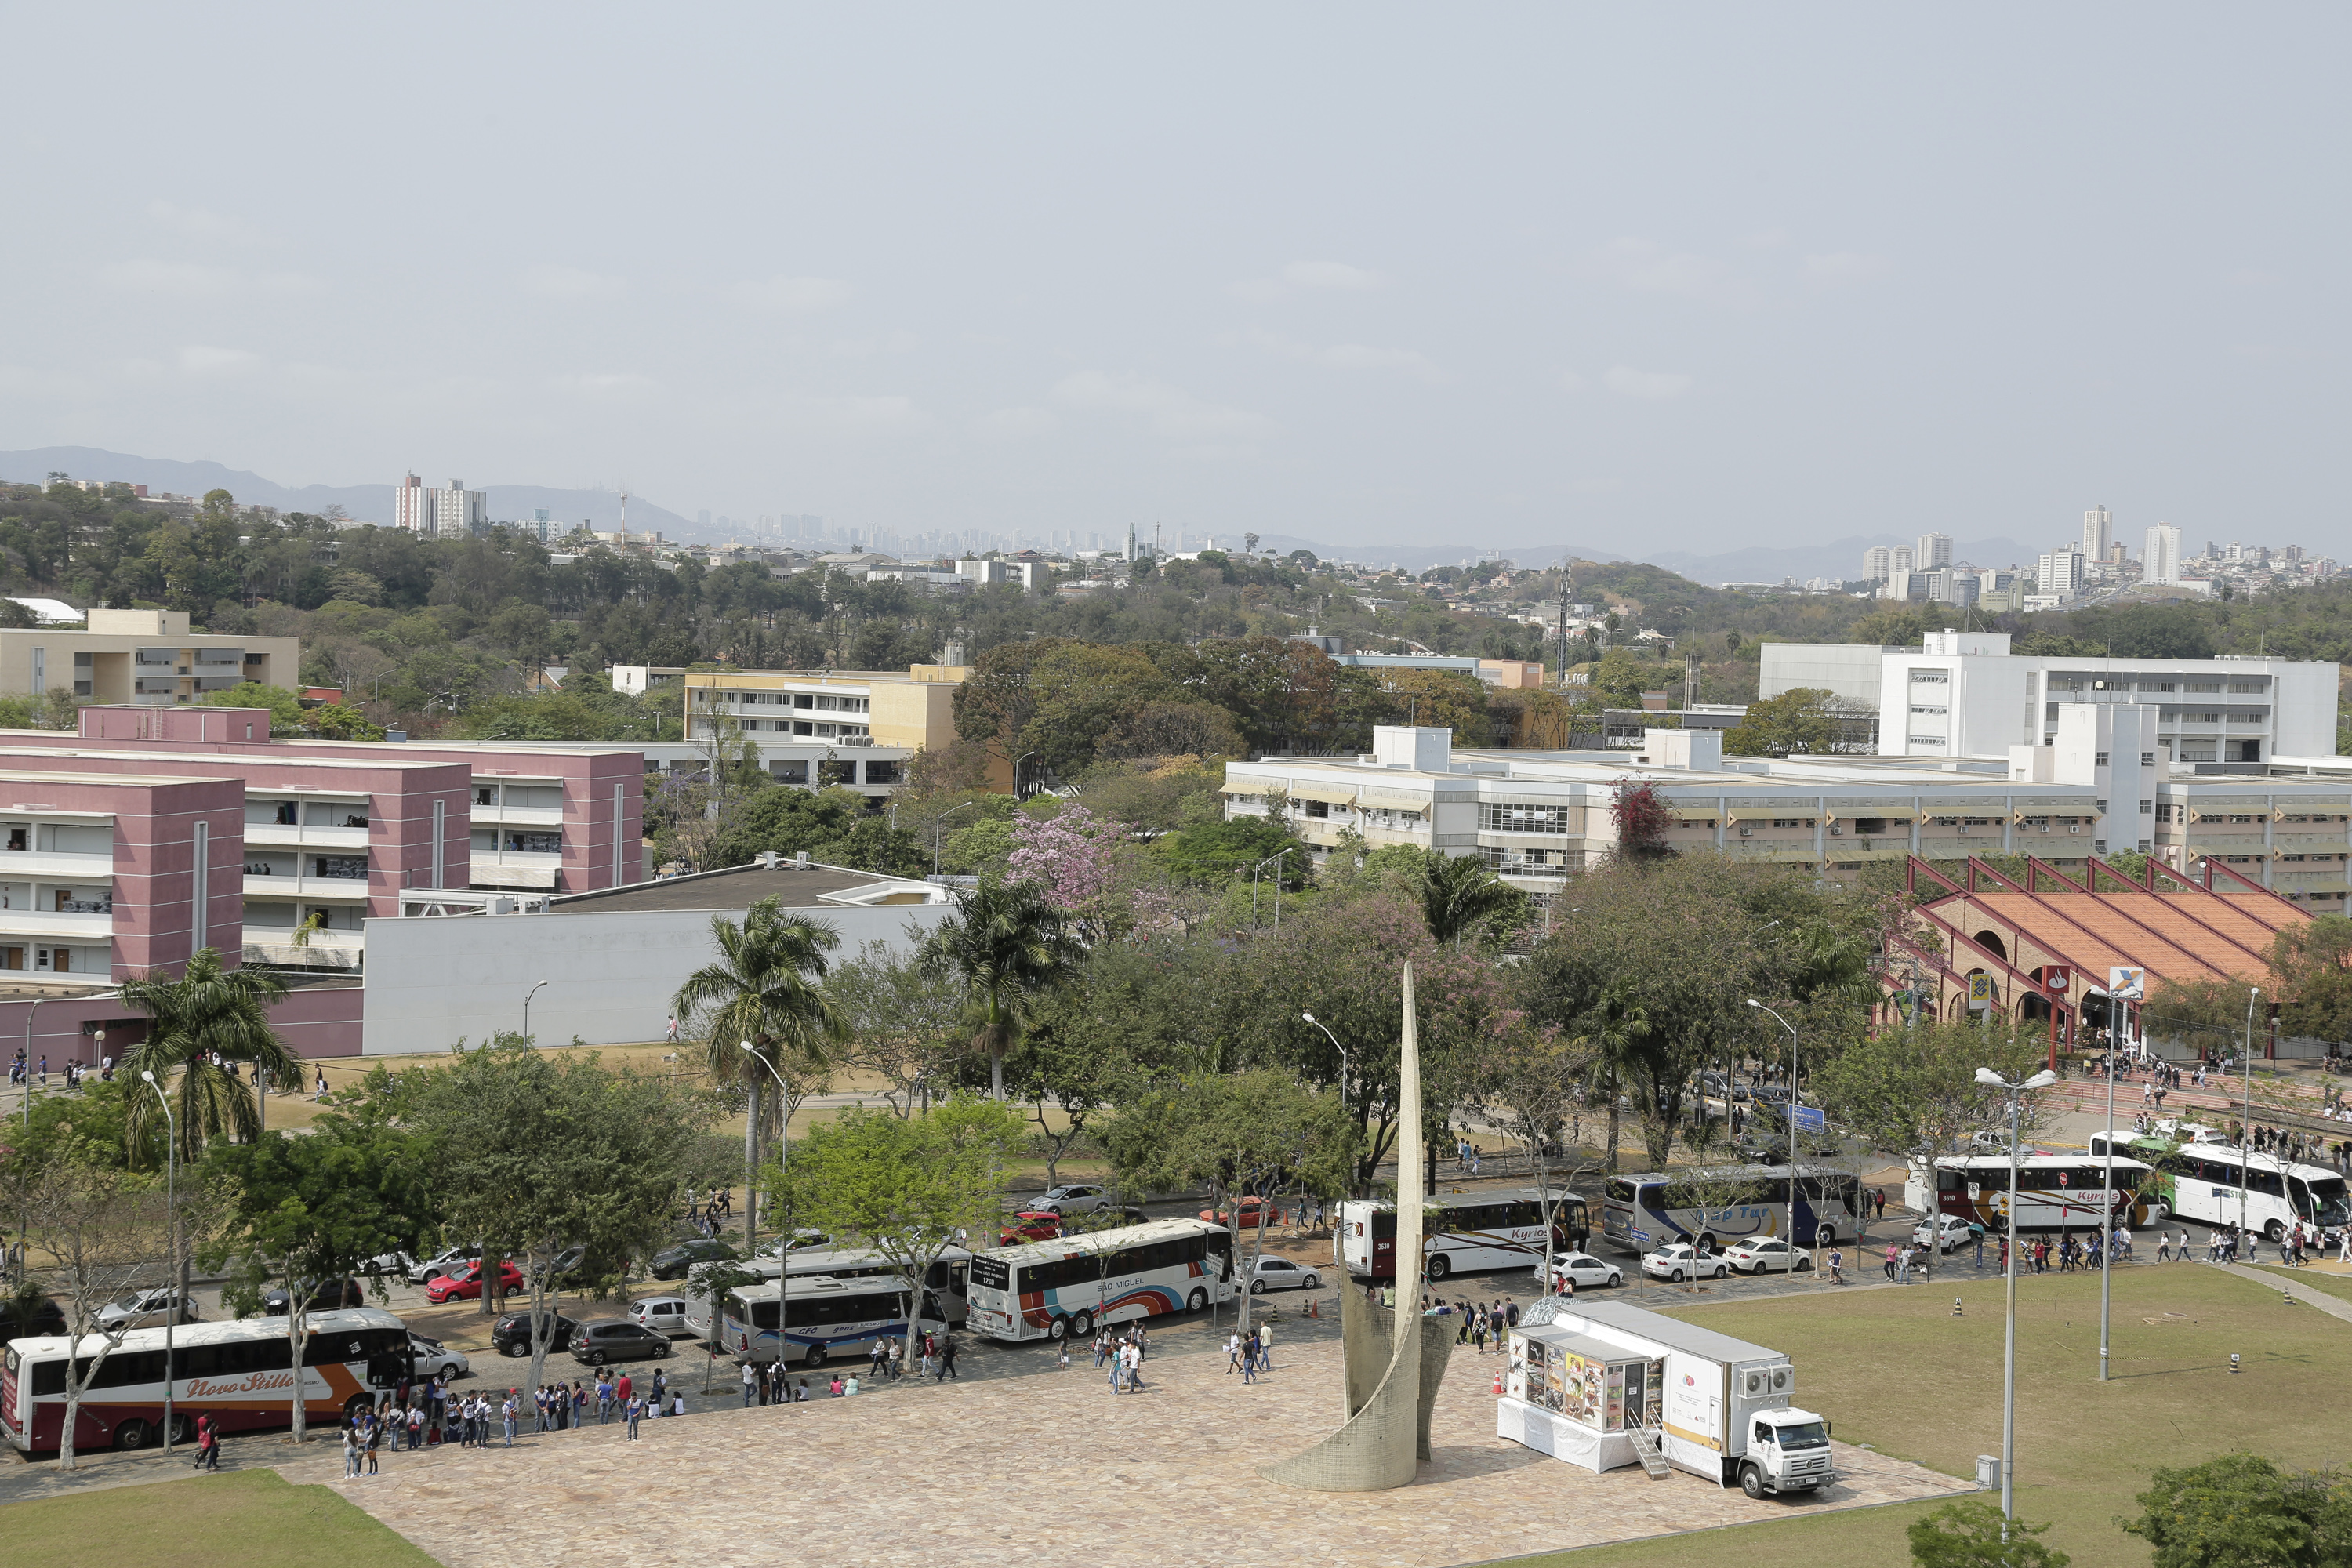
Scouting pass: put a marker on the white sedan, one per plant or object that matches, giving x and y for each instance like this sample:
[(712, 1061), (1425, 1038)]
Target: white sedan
[(1946, 1232), (1071, 1199), (1281, 1274), (1574, 1272), (1680, 1260), (1759, 1253), (434, 1357)]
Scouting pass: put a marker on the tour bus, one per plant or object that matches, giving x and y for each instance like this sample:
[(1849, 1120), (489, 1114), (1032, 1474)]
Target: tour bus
[(1062, 1288), (947, 1279), (2209, 1182), (1460, 1234), (239, 1372), (2055, 1192), (822, 1318), (1714, 1208)]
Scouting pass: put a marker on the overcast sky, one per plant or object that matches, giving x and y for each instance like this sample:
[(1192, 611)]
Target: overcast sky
[(1633, 278)]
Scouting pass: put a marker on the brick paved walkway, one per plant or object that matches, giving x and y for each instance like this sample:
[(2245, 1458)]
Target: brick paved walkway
[(1043, 1471)]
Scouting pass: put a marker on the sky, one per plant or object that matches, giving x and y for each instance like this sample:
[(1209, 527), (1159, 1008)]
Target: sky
[(1692, 278)]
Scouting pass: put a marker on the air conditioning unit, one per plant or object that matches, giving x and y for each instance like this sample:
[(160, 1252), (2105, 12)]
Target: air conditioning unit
[(1836, 831), (2045, 827), (1746, 832), (2076, 828)]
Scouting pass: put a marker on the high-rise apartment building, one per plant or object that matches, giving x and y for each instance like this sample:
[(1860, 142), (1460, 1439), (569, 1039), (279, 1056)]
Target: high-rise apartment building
[(1900, 559), (2098, 534), (2062, 571), (1934, 551), (2160, 561), (1876, 561), (454, 511)]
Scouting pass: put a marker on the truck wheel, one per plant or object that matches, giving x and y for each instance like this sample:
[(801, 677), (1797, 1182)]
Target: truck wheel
[(1751, 1480)]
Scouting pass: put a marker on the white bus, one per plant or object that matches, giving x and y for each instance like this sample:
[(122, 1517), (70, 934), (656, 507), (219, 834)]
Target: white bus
[(2208, 1182), (1714, 1208), (947, 1279), (2055, 1192), (1462, 1234), (821, 1317), (237, 1372), (1053, 1290)]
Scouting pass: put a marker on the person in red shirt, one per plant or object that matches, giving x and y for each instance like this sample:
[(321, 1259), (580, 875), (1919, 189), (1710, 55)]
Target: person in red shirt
[(623, 1389)]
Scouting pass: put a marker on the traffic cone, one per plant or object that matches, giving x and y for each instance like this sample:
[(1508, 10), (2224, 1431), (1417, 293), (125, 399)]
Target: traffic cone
[(1498, 1384)]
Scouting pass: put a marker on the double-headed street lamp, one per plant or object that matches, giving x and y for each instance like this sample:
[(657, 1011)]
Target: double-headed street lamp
[(1991, 1079), (172, 1230)]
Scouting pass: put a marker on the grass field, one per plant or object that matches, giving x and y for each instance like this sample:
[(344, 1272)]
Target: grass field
[(1895, 1370), (2318, 1280), (250, 1518)]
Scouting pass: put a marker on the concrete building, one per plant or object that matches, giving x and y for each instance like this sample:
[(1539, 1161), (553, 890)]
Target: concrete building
[(451, 512), (2160, 555), (1876, 561), (1849, 671), (148, 658), (2098, 535), (1934, 551), (2061, 571), (1900, 558), (636, 680)]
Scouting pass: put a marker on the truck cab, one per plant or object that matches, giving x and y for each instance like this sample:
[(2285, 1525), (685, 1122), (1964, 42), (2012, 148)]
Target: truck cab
[(1787, 1450)]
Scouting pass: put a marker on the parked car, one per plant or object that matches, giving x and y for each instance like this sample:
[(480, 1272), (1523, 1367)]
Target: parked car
[(665, 1314), (564, 1264), (1946, 1232), (318, 1296), (617, 1338), (1759, 1253), (1029, 1226), (44, 1317), (1679, 1260), (672, 1262), (1250, 1211), (510, 1335), (1281, 1274), (398, 1263), (144, 1310), (800, 1240), (443, 1262), (1574, 1272), (1069, 1198), (2181, 1131), (467, 1284), (1713, 1083), (434, 1359)]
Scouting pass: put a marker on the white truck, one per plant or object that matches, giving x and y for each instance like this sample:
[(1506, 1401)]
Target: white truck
[(1724, 1406)]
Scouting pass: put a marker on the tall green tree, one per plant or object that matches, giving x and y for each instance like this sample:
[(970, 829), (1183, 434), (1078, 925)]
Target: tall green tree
[(311, 1208), (1914, 1091), (766, 988), (209, 1010), (1461, 899), (2241, 1511), (1006, 945), (909, 1187)]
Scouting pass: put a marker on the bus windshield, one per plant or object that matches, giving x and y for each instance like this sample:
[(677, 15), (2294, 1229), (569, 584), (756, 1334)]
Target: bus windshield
[(2324, 1201)]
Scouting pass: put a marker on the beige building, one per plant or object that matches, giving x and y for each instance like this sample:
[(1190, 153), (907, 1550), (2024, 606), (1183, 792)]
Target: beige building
[(147, 656), (855, 707)]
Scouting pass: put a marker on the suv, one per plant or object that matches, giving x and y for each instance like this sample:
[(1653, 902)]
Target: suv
[(617, 1338), (510, 1335)]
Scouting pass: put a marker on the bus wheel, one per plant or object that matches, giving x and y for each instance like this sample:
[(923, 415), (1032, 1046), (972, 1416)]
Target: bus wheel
[(1196, 1301), (1439, 1266), (184, 1428), (815, 1356), (357, 1403), (1707, 1241), (1082, 1325), (2272, 1231), (1058, 1329), (132, 1434)]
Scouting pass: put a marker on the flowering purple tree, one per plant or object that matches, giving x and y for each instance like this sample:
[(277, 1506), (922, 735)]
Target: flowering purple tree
[(1072, 858)]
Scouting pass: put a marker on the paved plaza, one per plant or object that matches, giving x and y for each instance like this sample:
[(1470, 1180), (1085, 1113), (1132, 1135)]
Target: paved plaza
[(1047, 1469)]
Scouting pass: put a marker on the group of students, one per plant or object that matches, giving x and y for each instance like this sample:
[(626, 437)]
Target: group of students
[(1479, 1323), (21, 1071), (1253, 1355), (1123, 1353)]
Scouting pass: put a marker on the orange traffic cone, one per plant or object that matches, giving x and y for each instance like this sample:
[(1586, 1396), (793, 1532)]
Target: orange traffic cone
[(1498, 1384)]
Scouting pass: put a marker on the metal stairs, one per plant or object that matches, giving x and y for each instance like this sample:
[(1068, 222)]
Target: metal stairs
[(1647, 1448)]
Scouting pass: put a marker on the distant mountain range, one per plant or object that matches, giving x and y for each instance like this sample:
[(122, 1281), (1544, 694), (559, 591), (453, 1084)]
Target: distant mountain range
[(364, 503)]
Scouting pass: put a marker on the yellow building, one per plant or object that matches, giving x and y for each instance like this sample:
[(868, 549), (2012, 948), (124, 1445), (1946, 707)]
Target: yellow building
[(853, 707), (147, 656)]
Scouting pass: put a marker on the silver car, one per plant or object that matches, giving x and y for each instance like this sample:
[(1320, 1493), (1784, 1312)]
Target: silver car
[(1070, 1198), (436, 1358), (1281, 1274), (663, 1314), (143, 1309)]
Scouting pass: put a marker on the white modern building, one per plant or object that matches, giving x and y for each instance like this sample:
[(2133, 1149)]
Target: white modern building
[(453, 511), (2098, 534), (1876, 562), (2160, 556), (1934, 551), (2061, 570)]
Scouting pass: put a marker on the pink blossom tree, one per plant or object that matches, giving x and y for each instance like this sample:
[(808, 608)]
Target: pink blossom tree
[(1072, 858)]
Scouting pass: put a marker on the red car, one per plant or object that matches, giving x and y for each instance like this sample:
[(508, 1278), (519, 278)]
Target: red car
[(1250, 1210), (465, 1285), (1030, 1225)]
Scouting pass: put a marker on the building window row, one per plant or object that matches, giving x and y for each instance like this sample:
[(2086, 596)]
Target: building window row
[(1513, 816)]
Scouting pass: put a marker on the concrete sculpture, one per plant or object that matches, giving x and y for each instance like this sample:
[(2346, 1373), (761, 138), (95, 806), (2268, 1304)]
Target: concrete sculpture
[(1393, 1362)]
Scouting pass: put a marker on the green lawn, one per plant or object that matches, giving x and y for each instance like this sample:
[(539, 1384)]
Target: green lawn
[(2334, 1284), (248, 1519), (1894, 1368)]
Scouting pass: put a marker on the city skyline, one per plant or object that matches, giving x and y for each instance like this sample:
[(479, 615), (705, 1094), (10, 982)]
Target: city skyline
[(1525, 275)]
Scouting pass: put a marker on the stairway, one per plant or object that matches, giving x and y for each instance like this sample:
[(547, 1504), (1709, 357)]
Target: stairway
[(1645, 1448)]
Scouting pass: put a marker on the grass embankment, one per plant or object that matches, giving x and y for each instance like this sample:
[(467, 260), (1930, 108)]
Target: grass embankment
[(251, 1518), (1896, 1370)]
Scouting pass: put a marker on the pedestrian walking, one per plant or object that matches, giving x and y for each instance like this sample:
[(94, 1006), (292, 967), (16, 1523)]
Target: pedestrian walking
[(507, 1416), (2164, 1247), (751, 1378), (636, 1414), (1837, 1266), (947, 1357), (1265, 1347), (1233, 1351), (351, 1452)]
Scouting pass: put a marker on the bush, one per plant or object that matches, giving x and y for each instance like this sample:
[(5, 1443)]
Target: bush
[(1968, 1534)]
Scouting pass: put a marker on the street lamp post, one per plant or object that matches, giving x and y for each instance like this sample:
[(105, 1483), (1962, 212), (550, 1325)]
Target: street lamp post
[(1344, 1064), (937, 823), (1016, 772), (1992, 1079), (752, 1212), (526, 1006), (2246, 1123), (1792, 1124), (172, 1230)]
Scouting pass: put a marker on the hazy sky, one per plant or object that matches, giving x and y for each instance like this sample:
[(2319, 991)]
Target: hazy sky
[(1638, 277)]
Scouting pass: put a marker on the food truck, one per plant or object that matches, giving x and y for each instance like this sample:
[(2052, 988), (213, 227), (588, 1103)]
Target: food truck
[(1606, 1384)]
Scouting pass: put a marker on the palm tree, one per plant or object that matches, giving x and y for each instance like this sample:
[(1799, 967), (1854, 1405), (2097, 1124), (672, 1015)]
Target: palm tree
[(1005, 945), (1614, 1053), (1459, 895), (207, 1012), (765, 989)]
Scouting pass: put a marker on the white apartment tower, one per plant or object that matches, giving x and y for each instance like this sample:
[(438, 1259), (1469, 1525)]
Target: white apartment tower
[(1899, 559), (2062, 571), (412, 505), (1876, 562), (2098, 534), (454, 511), (1934, 551), (2161, 559)]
